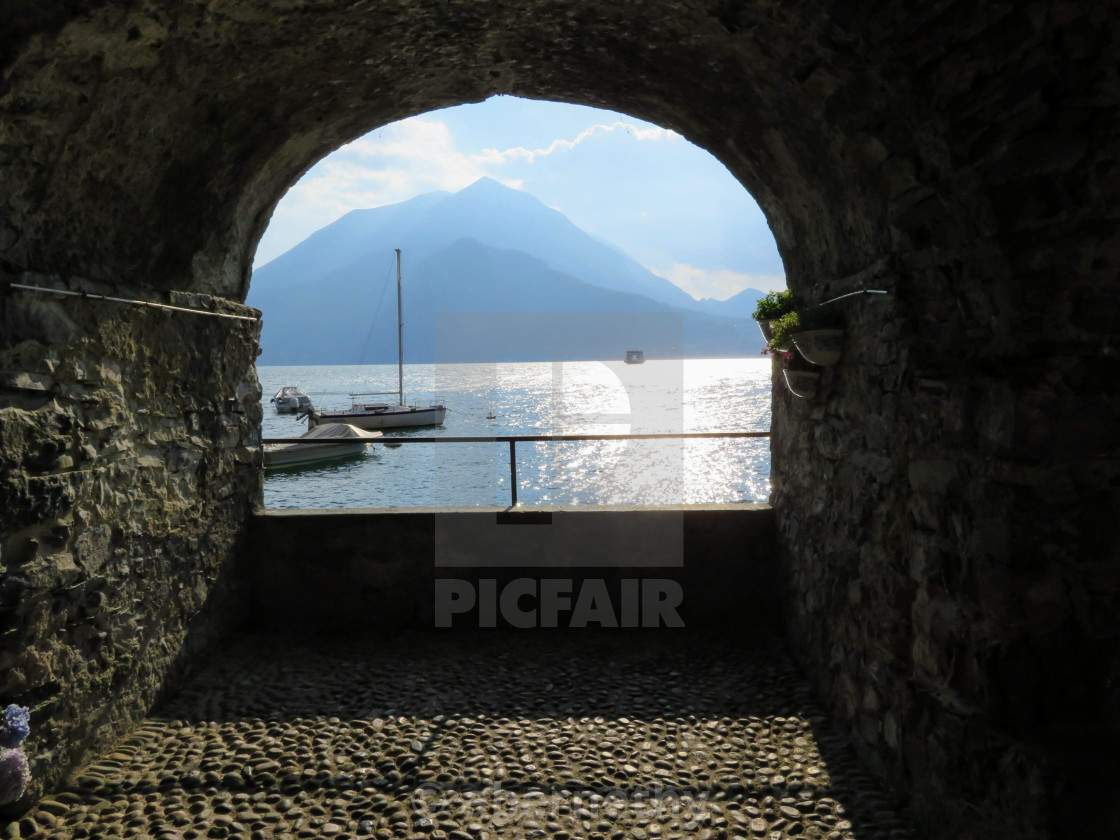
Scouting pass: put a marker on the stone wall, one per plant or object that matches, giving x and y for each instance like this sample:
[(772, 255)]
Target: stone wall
[(127, 471), (363, 570), (946, 504)]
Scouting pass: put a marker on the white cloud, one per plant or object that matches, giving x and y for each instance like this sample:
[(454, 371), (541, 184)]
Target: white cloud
[(719, 284), (412, 156), (422, 154), (419, 155), (406, 158), (419, 150), (530, 155)]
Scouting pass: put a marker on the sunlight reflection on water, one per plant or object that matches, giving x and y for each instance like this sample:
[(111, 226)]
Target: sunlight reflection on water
[(702, 395)]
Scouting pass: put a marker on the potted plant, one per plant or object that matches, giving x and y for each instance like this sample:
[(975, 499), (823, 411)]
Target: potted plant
[(771, 308), (800, 376), (15, 772), (813, 332), (782, 330)]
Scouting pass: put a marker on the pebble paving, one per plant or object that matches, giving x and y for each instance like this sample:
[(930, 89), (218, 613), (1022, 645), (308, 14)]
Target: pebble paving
[(606, 736)]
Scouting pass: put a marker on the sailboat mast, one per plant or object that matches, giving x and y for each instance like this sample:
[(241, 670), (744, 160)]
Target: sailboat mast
[(400, 333)]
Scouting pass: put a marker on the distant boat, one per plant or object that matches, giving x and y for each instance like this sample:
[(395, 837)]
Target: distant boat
[(635, 357), (325, 446), (491, 416), (379, 415), (290, 400)]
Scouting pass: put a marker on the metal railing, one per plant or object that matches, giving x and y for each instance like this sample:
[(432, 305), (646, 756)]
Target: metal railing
[(513, 440)]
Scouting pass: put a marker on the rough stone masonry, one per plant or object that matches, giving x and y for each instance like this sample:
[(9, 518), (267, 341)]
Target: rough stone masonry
[(946, 506)]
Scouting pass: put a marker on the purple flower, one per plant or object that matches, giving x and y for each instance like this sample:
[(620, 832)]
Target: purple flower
[(15, 727), (14, 775)]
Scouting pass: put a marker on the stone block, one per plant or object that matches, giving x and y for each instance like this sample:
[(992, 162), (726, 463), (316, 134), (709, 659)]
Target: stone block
[(932, 475)]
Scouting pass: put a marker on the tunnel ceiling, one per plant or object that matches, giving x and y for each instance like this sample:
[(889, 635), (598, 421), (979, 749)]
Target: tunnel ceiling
[(147, 145)]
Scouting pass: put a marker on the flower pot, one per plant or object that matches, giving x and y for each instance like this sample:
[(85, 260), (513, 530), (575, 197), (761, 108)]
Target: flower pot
[(802, 383), (820, 347), (767, 329)]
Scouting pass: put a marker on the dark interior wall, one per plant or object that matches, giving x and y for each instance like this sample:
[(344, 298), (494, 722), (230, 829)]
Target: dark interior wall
[(944, 507), (947, 504)]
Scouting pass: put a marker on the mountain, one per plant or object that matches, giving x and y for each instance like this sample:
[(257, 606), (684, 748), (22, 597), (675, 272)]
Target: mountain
[(344, 242), (490, 274), (741, 305), (500, 217)]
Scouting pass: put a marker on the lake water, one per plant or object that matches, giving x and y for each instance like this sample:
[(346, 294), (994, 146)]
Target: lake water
[(696, 395)]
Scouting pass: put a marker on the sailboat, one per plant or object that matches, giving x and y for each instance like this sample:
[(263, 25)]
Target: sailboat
[(381, 415)]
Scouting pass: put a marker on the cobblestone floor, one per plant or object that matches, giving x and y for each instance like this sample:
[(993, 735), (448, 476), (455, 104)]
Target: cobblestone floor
[(650, 736)]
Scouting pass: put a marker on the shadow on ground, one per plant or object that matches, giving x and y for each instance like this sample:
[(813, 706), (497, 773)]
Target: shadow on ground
[(473, 736)]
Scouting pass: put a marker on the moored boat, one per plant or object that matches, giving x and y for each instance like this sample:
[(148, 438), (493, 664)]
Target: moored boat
[(326, 443), (383, 415), (380, 415), (290, 399)]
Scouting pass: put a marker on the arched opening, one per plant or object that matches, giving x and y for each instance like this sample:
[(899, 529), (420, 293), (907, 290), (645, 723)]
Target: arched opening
[(514, 216)]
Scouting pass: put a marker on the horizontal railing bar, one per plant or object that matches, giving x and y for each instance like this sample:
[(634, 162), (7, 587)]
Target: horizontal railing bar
[(531, 438), (146, 303)]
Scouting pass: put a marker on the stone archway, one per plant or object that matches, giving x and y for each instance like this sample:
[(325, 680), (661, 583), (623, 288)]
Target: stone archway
[(204, 115), (961, 156)]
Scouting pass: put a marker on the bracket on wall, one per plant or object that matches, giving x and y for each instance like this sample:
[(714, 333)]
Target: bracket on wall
[(820, 347), (848, 295)]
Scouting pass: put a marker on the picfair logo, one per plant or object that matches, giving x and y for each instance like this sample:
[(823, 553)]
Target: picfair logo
[(558, 602)]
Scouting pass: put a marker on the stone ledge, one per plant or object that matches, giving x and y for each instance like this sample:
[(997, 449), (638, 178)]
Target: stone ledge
[(286, 512)]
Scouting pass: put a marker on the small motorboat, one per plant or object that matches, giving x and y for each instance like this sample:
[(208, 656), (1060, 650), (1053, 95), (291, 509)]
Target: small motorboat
[(324, 443), (491, 416), (290, 400)]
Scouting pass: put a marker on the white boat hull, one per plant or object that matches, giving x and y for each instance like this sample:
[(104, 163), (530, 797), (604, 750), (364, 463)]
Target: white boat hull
[(382, 416), (354, 442)]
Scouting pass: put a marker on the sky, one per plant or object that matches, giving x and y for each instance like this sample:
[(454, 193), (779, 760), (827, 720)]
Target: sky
[(666, 202)]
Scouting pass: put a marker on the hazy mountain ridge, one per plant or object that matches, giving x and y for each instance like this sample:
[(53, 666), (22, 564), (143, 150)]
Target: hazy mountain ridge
[(353, 237), (489, 251), (741, 305)]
